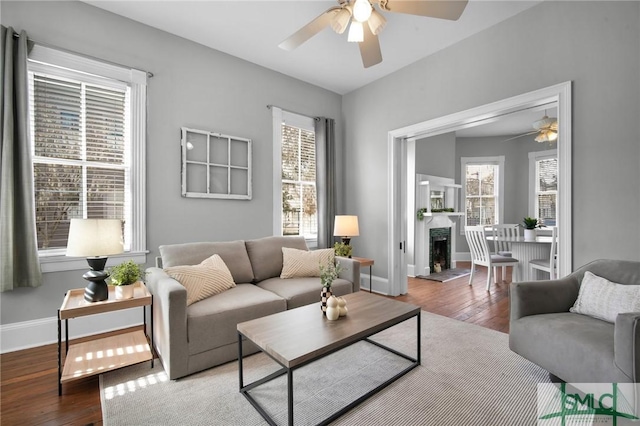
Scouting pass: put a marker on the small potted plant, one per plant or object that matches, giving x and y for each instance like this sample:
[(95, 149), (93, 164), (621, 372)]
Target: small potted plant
[(342, 249), (530, 224), (123, 276)]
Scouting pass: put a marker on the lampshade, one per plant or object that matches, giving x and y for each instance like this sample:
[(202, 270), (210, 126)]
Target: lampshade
[(361, 10), (340, 22), (346, 226), (356, 32), (376, 22), (95, 237)]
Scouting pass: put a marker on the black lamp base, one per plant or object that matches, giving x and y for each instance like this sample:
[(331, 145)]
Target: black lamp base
[(96, 290), (346, 240)]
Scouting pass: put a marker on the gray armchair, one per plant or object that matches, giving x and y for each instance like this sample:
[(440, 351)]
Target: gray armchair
[(576, 348)]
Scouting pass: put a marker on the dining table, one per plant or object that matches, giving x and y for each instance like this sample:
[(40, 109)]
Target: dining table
[(526, 250)]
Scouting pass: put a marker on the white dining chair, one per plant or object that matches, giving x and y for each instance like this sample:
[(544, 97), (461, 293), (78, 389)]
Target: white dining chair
[(501, 247), (480, 255), (501, 233), (547, 264)]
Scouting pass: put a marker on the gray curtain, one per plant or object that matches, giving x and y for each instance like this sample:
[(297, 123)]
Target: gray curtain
[(325, 179), (19, 263)]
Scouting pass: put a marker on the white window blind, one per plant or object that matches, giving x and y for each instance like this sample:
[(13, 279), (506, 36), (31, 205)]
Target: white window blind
[(483, 186), (80, 154), (299, 205), (88, 133), (546, 190)]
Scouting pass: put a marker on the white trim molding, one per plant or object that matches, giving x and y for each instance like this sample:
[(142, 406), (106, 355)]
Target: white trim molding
[(44, 331)]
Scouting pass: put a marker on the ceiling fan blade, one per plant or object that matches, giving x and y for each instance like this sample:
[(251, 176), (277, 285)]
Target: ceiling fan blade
[(309, 30), (370, 48), (442, 9), (520, 136)]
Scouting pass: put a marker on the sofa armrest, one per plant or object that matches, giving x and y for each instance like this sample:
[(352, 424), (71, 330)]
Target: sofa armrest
[(542, 297), (350, 271), (626, 344), (169, 322)]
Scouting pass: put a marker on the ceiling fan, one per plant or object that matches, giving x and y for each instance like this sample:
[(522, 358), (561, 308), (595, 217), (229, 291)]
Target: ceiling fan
[(546, 128), (367, 22)]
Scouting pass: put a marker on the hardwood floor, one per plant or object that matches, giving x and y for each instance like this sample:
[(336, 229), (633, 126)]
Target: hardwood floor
[(28, 383), (457, 299)]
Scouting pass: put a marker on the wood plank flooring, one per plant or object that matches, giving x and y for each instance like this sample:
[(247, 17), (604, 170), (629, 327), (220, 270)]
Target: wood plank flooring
[(28, 378)]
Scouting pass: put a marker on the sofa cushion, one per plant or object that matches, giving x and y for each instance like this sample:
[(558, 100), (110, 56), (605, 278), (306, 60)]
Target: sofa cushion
[(576, 348), (266, 255), (603, 299), (304, 263), (234, 254), (204, 280), (212, 322), (303, 291)]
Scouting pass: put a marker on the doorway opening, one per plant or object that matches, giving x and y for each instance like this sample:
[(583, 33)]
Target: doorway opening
[(398, 140)]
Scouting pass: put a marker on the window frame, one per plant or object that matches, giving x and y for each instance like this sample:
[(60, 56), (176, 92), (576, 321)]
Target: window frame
[(62, 64), (280, 117), (495, 161), (534, 157)]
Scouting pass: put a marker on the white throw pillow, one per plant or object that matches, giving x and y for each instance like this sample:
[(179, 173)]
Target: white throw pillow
[(603, 299), (208, 278), (304, 263)]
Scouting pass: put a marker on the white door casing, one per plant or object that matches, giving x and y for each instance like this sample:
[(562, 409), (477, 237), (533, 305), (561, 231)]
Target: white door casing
[(397, 197)]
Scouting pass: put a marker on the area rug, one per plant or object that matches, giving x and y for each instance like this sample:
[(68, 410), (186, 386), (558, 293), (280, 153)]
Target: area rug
[(468, 376), (446, 275)]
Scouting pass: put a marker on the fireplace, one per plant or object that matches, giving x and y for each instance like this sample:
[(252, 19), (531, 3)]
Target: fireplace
[(439, 249)]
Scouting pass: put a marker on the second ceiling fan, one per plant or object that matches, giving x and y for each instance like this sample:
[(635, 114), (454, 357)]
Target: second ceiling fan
[(367, 22)]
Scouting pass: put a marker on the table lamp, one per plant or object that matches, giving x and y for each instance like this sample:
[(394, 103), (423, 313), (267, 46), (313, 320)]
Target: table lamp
[(95, 239), (346, 227)]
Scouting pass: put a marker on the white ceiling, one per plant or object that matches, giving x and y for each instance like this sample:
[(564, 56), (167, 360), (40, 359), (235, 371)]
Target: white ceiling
[(516, 123), (252, 30)]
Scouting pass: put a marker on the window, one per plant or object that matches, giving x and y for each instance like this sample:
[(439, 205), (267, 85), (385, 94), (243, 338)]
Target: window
[(483, 187), (543, 186), (295, 198), (88, 149)]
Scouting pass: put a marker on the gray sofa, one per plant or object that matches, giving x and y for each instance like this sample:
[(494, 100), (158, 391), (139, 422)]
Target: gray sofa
[(576, 348), (192, 338)]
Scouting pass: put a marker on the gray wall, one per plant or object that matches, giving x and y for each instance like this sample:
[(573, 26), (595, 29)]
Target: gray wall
[(594, 44), (516, 172), (436, 155), (193, 86)]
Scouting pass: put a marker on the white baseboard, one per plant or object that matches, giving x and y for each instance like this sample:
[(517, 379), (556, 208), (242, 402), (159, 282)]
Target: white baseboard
[(30, 334), (378, 285), (463, 257), (411, 270)]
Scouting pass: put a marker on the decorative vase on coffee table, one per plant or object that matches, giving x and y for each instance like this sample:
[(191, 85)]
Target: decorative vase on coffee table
[(325, 294)]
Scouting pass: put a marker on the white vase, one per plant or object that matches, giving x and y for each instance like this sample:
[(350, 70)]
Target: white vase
[(342, 306), (124, 292), (333, 311), (529, 234)]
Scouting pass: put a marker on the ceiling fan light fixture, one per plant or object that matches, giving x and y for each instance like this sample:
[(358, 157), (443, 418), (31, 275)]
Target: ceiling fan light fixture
[(340, 21), (356, 32), (362, 10), (377, 22), (545, 123), (547, 136)]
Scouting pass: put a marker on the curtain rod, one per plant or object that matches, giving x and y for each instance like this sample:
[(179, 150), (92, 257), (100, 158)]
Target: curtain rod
[(269, 106), (16, 35)]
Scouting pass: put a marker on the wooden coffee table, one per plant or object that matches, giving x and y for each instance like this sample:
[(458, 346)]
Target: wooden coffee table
[(300, 336)]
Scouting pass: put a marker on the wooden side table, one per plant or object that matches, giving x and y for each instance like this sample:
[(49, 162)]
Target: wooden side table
[(364, 262), (102, 354)]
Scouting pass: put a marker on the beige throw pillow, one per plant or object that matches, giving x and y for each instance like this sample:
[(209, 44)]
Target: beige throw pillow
[(303, 263), (603, 299), (210, 277)]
